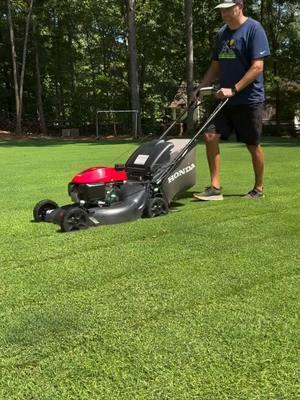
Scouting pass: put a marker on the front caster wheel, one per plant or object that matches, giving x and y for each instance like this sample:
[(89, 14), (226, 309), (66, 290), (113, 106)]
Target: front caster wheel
[(42, 208), (74, 219), (156, 207)]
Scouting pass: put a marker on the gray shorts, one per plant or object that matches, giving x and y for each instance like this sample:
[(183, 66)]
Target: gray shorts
[(244, 120)]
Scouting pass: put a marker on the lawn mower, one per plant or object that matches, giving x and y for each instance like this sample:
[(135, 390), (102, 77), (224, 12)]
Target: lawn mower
[(144, 186)]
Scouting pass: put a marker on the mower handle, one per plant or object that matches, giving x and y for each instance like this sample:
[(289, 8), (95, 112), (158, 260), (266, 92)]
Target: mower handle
[(204, 91), (207, 90), (161, 175), (193, 105)]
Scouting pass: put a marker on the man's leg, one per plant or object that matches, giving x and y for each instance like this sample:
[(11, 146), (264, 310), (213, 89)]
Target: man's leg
[(258, 165), (221, 126), (247, 121), (213, 158)]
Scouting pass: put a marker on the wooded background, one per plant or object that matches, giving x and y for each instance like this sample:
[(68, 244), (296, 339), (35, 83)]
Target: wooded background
[(62, 60)]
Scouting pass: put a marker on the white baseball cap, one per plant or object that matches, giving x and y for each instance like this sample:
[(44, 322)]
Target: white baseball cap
[(229, 3)]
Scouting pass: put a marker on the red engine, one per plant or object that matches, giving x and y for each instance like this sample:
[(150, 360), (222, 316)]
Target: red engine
[(97, 185), (100, 175)]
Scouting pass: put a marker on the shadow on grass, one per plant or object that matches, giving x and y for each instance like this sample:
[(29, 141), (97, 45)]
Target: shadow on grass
[(59, 142), (284, 141), (46, 142), (189, 195), (268, 141), (58, 229), (184, 195), (47, 322), (240, 195)]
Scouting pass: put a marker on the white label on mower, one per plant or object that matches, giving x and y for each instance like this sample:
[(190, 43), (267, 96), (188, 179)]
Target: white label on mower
[(94, 220), (181, 172), (141, 159)]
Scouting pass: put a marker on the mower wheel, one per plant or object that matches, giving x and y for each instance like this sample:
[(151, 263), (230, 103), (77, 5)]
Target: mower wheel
[(42, 208), (74, 219), (156, 207)]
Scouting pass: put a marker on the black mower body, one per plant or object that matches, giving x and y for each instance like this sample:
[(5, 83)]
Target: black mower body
[(141, 194)]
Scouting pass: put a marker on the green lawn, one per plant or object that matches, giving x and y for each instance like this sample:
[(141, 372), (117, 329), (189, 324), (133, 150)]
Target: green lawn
[(201, 304)]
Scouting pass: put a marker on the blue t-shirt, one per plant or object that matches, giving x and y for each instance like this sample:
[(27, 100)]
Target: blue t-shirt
[(235, 50)]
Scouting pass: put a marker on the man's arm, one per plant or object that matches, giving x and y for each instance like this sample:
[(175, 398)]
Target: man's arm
[(253, 72)]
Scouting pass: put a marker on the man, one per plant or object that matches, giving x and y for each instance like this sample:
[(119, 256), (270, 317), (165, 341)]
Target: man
[(238, 63)]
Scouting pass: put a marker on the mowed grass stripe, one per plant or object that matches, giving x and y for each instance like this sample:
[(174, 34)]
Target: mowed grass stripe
[(200, 304)]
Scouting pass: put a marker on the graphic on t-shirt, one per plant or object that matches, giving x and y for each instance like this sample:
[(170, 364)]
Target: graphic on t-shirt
[(227, 52)]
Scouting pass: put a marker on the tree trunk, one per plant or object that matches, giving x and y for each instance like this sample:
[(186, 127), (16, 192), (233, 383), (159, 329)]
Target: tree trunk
[(262, 11), (74, 113), (59, 88), (134, 81), (19, 85), (15, 67), (93, 76), (277, 99), (25, 53), (189, 61), (39, 90)]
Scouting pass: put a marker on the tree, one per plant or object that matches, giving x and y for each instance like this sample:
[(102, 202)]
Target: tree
[(279, 19), (39, 87), (19, 82), (189, 61), (77, 60), (134, 75)]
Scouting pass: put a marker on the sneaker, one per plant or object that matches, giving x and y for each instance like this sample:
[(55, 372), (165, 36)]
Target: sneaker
[(254, 194), (209, 193)]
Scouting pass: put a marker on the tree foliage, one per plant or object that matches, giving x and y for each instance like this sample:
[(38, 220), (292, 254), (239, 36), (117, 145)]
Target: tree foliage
[(83, 56)]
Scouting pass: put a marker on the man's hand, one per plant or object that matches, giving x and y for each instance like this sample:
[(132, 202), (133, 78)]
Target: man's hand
[(224, 93), (195, 97)]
